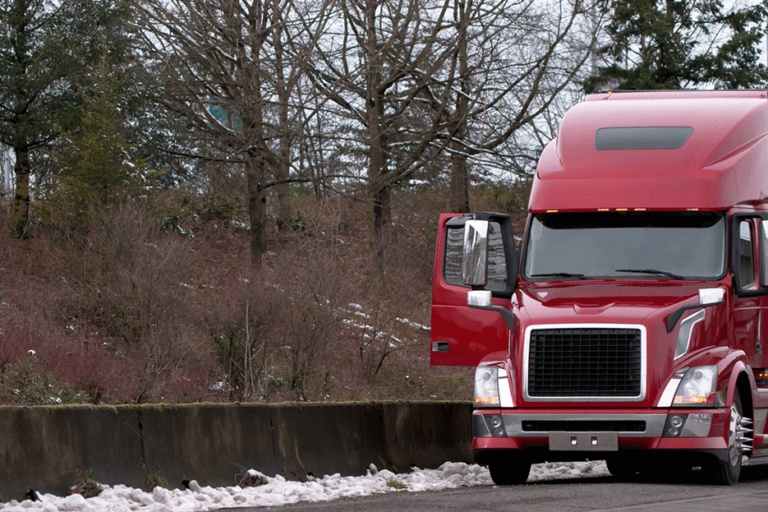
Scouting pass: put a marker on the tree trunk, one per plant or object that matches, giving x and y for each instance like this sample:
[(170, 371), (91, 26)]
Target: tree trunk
[(459, 181), (379, 191), (21, 199), (253, 132), (257, 204), (320, 167), (377, 152), (283, 189), (283, 212), (459, 172)]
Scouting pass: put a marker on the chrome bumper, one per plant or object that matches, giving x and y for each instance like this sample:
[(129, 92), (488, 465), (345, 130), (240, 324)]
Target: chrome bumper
[(513, 423)]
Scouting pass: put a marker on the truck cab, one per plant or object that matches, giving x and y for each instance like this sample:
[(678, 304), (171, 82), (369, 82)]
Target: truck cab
[(627, 323)]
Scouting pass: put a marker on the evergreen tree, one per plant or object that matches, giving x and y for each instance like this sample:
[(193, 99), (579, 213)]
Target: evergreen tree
[(97, 165), (675, 44), (44, 48)]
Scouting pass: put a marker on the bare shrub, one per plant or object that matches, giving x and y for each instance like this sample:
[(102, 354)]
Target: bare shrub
[(238, 317), (252, 478), (124, 311), (319, 292), (121, 298), (86, 484)]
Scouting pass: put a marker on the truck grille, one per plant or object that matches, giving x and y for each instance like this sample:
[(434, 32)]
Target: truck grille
[(585, 362)]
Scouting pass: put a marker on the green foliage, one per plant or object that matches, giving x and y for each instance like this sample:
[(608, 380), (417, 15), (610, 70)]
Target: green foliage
[(97, 165), (395, 484), (26, 383), (39, 46), (504, 198), (152, 480), (44, 48), (215, 207), (674, 44)]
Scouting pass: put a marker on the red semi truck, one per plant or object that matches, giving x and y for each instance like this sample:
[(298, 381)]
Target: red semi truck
[(629, 324)]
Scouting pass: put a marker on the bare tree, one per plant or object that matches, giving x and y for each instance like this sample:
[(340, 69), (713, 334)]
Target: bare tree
[(458, 77), (230, 68), (515, 58), (375, 66)]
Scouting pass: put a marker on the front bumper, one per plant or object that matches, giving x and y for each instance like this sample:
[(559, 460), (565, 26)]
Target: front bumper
[(634, 429)]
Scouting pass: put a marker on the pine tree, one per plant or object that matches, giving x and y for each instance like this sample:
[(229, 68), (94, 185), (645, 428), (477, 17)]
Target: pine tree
[(97, 165), (44, 48), (675, 44)]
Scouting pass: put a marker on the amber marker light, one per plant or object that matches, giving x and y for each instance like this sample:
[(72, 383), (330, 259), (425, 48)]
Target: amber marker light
[(621, 209), (486, 400), (690, 400), (639, 209), (551, 211), (603, 209), (693, 209)]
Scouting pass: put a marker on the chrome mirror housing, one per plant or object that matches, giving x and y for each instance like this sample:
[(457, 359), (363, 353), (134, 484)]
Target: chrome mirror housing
[(481, 298), (709, 296)]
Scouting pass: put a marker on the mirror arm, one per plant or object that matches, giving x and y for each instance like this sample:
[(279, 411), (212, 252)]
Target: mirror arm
[(506, 314)]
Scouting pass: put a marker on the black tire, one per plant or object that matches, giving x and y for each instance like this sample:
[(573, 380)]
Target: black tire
[(633, 470), (623, 469), (728, 470), (510, 473)]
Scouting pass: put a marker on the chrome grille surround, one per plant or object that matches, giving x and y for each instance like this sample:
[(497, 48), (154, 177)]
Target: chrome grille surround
[(643, 364)]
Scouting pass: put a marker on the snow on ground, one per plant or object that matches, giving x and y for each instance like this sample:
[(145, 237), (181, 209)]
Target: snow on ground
[(278, 491)]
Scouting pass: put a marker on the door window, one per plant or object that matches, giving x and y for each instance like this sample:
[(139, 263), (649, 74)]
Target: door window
[(497, 262), (746, 255)]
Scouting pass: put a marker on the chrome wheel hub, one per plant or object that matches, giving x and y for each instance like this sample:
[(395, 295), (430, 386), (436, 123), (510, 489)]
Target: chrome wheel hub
[(743, 439), (739, 440)]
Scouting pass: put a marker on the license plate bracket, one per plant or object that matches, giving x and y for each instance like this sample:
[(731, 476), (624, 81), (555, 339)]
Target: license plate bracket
[(584, 441)]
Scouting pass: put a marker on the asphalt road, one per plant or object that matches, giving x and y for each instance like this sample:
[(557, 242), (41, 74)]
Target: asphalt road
[(593, 494)]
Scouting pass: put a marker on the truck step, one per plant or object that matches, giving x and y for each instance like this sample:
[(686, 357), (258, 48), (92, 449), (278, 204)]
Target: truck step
[(757, 460)]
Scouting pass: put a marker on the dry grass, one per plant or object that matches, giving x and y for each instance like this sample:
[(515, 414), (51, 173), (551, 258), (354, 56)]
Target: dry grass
[(86, 485)]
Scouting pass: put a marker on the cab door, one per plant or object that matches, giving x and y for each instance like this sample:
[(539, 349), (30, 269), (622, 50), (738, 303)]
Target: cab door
[(750, 279), (461, 336)]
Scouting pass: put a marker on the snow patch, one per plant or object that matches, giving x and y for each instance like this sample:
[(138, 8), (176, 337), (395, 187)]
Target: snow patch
[(278, 491)]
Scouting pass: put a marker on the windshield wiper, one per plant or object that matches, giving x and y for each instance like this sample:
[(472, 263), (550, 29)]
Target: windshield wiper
[(650, 271), (560, 274)]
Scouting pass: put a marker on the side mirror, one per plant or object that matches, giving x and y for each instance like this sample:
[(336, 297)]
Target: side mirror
[(763, 239), (474, 256)]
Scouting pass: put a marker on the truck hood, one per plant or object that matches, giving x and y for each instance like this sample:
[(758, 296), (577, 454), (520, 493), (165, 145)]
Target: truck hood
[(602, 301)]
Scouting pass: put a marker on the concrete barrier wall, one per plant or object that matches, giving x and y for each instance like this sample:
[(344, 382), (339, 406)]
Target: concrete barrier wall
[(45, 447)]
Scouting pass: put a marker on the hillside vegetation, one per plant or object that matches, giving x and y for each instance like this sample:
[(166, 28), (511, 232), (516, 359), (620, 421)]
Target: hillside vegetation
[(144, 306)]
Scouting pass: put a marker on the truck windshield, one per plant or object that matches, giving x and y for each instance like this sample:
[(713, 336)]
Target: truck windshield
[(616, 245)]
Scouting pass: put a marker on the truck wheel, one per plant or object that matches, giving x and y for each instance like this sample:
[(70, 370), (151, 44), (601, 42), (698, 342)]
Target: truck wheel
[(515, 473), (622, 469), (727, 472)]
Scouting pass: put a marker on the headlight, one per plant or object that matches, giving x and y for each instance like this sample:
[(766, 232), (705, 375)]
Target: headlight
[(486, 386), (697, 387)]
